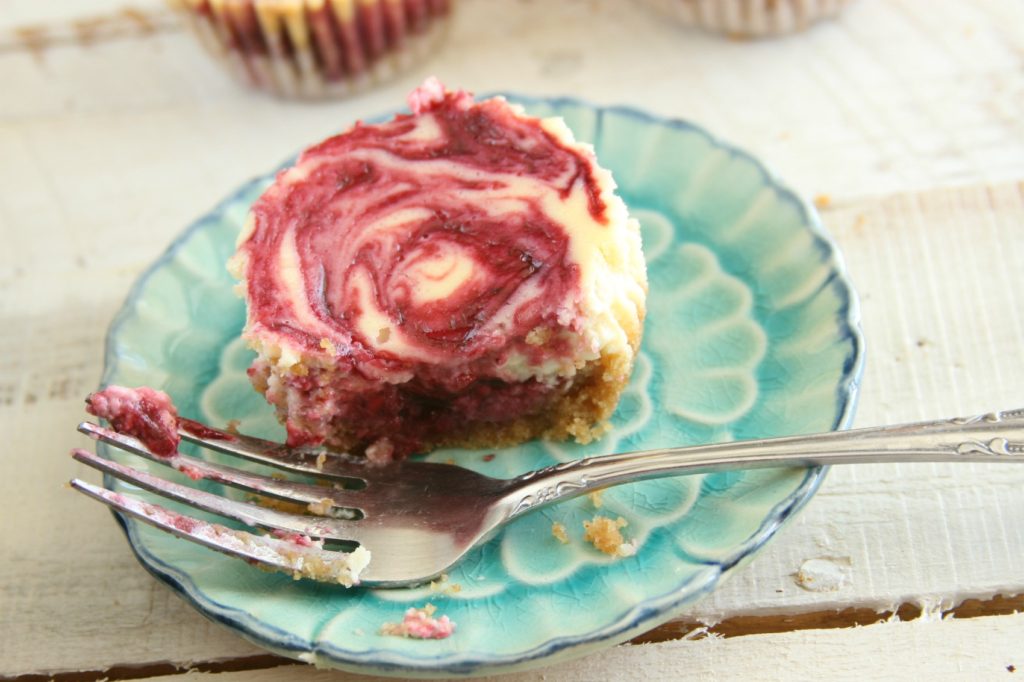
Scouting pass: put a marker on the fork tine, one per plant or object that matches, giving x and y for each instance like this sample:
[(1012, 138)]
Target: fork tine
[(280, 555), (196, 469), (250, 514), (316, 461), (300, 459)]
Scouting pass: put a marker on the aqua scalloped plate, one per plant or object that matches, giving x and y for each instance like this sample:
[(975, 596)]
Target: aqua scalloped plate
[(752, 331)]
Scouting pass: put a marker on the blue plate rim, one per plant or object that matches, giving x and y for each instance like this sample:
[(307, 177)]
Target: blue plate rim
[(639, 617)]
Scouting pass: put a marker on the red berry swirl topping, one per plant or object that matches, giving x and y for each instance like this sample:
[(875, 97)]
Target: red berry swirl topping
[(438, 238), (419, 281)]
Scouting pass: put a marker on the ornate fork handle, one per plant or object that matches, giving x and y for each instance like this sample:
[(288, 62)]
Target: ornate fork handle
[(993, 437)]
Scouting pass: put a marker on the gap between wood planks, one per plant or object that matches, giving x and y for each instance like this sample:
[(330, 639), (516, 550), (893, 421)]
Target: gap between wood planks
[(737, 626)]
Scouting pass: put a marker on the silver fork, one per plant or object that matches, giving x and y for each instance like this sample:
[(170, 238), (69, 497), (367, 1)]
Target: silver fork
[(418, 519)]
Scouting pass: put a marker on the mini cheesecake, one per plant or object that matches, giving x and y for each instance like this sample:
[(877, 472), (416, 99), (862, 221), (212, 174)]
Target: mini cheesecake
[(315, 49), (462, 275)]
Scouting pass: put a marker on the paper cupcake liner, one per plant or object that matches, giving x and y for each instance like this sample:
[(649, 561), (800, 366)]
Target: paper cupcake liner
[(316, 48), (750, 18)]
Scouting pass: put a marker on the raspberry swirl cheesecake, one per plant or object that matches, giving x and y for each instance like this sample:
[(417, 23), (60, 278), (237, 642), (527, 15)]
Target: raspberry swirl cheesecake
[(463, 275)]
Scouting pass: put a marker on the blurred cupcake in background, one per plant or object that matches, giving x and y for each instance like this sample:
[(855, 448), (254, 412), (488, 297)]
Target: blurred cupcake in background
[(750, 18), (316, 48)]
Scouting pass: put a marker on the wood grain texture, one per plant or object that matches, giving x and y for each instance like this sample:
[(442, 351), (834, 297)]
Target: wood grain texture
[(977, 649), (908, 124), (942, 318)]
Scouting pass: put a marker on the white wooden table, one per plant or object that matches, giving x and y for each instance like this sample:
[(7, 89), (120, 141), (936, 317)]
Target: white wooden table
[(905, 118)]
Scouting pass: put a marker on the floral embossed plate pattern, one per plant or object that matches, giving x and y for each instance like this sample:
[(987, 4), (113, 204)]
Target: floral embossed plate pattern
[(752, 331)]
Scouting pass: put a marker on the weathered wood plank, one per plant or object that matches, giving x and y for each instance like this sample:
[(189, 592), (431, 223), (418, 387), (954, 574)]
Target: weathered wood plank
[(911, 124), (930, 535), (976, 649), (942, 317)]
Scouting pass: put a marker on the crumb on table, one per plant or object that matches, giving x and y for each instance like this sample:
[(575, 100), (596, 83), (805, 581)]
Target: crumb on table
[(559, 532)]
